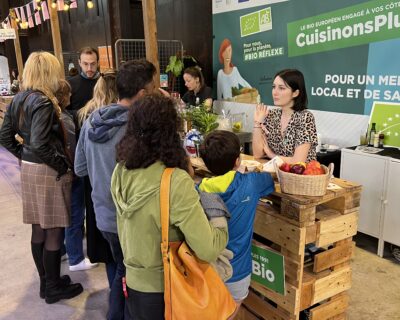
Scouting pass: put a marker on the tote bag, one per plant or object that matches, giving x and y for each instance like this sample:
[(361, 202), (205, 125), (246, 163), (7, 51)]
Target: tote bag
[(192, 288)]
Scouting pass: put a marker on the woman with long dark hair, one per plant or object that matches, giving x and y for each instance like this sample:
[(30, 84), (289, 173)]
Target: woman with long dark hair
[(288, 131), (151, 144), (198, 91)]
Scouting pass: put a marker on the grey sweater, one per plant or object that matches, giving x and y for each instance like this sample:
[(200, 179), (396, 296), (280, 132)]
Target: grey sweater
[(95, 157)]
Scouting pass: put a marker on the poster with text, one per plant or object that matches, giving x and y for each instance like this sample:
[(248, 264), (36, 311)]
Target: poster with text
[(348, 50)]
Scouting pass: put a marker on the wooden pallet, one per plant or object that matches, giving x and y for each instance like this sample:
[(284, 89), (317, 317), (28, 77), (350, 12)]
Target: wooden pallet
[(342, 196), (287, 224)]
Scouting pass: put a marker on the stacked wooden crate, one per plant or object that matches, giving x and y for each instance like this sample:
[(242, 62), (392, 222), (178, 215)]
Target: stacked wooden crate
[(4, 102), (287, 223)]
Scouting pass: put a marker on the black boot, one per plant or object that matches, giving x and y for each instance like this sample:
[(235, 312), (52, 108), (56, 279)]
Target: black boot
[(64, 281), (55, 291), (37, 253)]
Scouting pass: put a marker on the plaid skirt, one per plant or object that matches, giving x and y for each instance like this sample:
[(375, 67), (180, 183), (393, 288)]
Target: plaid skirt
[(45, 200)]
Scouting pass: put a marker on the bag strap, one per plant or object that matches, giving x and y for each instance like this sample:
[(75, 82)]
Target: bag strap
[(164, 204)]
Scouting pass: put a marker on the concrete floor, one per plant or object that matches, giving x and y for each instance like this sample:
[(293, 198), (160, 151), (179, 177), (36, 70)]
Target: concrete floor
[(19, 282), (375, 294)]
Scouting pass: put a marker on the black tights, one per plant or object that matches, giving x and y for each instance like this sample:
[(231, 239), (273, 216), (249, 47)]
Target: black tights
[(50, 237)]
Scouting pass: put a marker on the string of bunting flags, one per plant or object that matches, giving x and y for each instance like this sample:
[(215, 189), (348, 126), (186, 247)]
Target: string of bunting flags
[(37, 11)]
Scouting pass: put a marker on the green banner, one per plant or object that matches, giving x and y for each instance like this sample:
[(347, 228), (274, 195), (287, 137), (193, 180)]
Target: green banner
[(348, 51), (268, 268), (348, 27)]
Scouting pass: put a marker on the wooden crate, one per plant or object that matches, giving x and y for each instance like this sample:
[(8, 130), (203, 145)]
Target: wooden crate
[(333, 308), (342, 196), (287, 223), (257, 307), (4, 102)]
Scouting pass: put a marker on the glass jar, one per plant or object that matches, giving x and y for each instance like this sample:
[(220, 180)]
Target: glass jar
[(224, 123), (238, 121)]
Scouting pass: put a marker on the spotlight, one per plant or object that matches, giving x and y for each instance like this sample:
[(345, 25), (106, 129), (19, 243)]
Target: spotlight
[(90, 4), (54, 4)]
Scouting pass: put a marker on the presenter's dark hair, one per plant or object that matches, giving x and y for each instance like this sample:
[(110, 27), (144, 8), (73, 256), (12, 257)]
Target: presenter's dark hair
[(295, 80), (195, 72)]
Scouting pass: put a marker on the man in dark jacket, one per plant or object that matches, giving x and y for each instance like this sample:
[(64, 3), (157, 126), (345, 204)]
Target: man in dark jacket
[(81, 92), (83, 83)]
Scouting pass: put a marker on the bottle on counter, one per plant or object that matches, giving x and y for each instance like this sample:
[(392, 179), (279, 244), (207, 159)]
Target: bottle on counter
[(372, 133), (381, 138), (376, 140)]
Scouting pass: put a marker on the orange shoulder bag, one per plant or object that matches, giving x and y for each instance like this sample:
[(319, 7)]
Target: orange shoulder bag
[(192, 288)]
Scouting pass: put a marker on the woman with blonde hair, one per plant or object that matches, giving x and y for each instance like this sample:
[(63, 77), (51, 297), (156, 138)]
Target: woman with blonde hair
[(34, 114), (104, 93), (98, 249)]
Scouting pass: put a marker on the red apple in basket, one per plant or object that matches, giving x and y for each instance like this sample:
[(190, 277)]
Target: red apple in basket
[(285, 167)]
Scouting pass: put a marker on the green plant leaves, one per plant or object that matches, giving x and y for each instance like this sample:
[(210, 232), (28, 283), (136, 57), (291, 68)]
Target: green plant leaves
[(175, 66), (202, 120)]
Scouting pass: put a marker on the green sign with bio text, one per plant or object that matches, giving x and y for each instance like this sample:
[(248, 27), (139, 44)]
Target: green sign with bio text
[(387, 119), (256, 22), (268, 268), (348, 51)]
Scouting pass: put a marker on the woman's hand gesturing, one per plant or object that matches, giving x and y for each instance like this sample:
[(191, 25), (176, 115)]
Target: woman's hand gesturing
[(261, 113)]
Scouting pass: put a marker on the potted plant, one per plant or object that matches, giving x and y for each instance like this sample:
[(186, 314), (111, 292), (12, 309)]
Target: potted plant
[(202, 118), (175, 67)]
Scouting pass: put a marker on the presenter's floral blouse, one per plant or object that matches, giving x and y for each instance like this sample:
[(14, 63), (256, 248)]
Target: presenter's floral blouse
[(301, 129)]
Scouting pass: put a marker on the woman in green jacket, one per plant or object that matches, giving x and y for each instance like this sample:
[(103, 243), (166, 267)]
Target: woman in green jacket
[(151, 143)]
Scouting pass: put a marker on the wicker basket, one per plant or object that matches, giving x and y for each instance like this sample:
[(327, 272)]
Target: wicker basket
[(305, 185)]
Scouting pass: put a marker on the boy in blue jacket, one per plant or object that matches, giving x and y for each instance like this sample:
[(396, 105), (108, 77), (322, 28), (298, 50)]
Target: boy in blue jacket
[(240, 192)]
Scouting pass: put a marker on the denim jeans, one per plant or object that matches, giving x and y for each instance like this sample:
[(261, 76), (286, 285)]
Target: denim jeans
[(74, 233), (111, 269), (117, 308)]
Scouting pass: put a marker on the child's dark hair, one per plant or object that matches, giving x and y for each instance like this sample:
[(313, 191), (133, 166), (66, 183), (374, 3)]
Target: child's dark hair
[(63, 93), (220, 150)]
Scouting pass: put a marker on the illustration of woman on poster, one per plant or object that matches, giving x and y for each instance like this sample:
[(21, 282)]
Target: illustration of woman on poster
[(230, 84)]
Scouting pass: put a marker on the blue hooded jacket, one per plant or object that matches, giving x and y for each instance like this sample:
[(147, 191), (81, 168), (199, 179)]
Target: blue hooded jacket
[(241, 193), (95, 156)]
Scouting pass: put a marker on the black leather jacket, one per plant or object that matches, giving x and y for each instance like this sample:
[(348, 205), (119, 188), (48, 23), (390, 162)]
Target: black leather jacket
[(32, 116)]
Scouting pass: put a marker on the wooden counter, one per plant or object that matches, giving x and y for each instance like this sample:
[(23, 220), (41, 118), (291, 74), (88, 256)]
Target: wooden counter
[(287, 223), (4, 102)]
